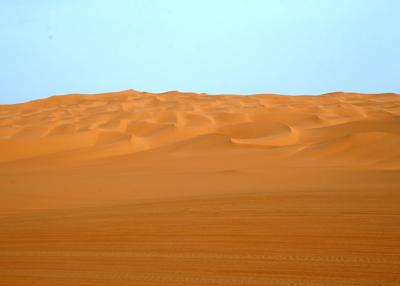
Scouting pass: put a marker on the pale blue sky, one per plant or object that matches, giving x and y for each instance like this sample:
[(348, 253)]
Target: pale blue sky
[(215, 46)]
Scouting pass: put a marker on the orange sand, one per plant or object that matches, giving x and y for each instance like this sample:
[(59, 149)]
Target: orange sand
[(134, 188)]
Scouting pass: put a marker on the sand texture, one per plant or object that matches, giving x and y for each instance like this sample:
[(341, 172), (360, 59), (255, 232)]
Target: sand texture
[(135, 188)]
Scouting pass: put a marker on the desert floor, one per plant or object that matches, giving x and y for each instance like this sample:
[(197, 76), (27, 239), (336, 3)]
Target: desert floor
[(134, 188)]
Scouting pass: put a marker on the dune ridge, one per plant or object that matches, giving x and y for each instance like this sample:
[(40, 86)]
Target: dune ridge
[(135, 188), (130, 121)]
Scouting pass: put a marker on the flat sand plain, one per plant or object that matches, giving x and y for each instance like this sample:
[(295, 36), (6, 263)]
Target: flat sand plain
[(134, 188)]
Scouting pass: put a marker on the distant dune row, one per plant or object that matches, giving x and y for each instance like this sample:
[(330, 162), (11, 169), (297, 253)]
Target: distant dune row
[(360, 128)]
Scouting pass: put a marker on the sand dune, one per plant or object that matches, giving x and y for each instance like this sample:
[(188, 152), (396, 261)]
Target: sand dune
[(135, 188), (64, 123)]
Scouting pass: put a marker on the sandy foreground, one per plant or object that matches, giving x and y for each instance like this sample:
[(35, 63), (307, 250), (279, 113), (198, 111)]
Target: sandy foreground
[(134, 188)]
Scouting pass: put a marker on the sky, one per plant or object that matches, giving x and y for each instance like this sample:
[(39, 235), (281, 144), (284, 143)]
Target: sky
[(216, 46)]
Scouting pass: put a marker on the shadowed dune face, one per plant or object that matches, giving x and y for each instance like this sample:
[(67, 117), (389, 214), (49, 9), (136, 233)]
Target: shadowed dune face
[(134, 188)]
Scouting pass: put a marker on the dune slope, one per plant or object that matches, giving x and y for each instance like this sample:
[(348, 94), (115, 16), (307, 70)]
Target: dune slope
[(134, 188)]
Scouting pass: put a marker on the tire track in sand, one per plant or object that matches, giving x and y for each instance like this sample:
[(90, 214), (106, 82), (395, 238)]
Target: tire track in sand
[(202, 256), (188, 278)]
